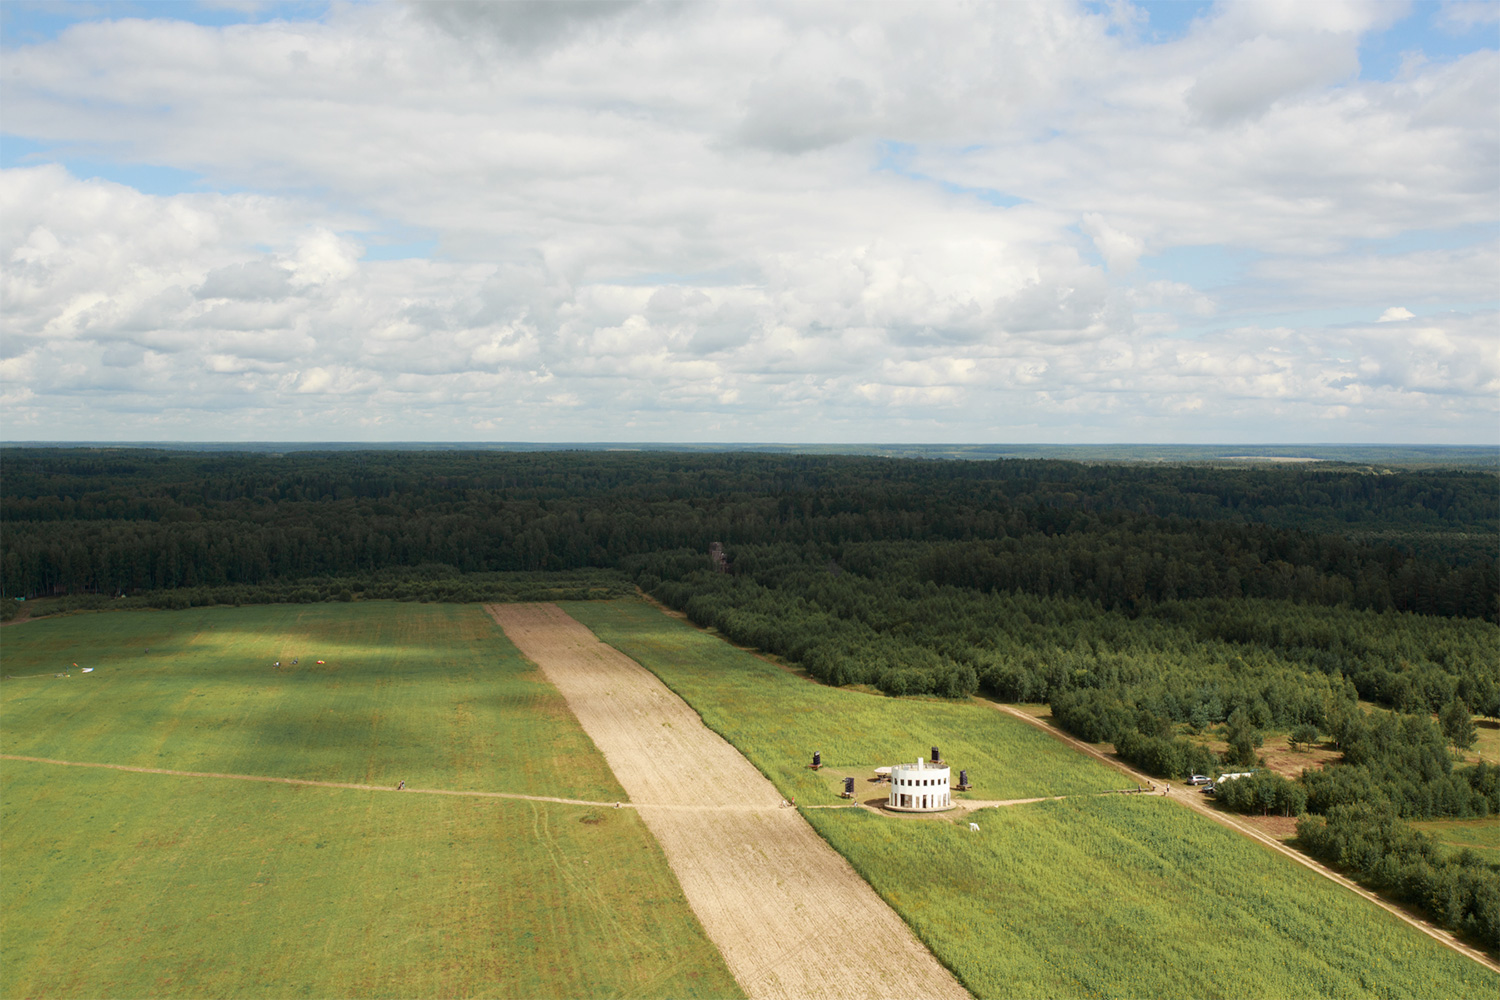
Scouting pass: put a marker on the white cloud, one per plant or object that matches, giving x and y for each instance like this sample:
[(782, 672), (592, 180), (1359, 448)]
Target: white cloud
[(312, 380), (252, 280), (812, 220), (1120, 250), (1443, 276), (1465, 15)]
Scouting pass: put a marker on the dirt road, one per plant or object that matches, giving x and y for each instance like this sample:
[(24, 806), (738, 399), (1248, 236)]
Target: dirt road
[(1194, 799), (789, 914)]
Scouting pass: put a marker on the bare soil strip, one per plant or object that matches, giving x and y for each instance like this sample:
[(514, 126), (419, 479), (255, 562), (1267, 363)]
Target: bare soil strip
[(1193, 799), (789, 914)]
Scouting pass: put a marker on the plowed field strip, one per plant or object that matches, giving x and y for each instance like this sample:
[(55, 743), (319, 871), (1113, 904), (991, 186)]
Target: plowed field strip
[(789, 914)]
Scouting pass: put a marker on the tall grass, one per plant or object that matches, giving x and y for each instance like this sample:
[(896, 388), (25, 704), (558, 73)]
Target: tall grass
[(130, 885), (1479, 835), (1134, 897)]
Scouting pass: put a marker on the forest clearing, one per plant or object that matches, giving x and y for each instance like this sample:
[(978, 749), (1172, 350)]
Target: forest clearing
[(403, 668), (1330, 631)]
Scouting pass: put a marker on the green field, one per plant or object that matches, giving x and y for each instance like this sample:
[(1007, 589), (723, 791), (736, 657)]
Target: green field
[(1115, 896), (127, 884), (777, 718), (1098, 896), (1482, 836), (432, 694)]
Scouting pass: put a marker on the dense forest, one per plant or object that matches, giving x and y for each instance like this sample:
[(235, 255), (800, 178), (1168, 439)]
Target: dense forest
[(1149, 605), (109, 522)]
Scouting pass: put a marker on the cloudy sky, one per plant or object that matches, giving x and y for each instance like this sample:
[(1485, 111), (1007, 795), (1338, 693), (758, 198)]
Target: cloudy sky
[(941, 222)]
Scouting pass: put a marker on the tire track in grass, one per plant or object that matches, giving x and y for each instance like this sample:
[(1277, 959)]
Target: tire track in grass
[(309, 781), (357, 786)]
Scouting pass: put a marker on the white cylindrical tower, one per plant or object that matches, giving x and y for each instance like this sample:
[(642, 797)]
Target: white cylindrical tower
[(920, 787)]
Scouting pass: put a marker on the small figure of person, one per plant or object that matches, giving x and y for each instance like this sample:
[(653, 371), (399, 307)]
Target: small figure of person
[(1169, 789), (401, 786)]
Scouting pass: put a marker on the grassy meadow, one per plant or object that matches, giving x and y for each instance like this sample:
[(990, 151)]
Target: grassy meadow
[(127, 884), (1125, 896), (1092, 896), (777, 719), (432, 694), (1482, 836)]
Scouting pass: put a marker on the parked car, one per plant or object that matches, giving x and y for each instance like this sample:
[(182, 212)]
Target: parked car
[(1208, 789), (1198, 779)]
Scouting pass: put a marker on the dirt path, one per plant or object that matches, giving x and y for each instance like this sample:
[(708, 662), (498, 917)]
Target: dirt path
[(703, 807), (23, 613), (304, 781), (1193, 799), (960, 806), (789, 914)]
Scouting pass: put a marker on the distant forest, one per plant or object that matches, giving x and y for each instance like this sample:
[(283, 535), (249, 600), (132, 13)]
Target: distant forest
[(110, 522)]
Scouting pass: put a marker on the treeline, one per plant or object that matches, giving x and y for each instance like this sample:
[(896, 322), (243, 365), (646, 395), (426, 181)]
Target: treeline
[(1124, 536), (1366, 836), (1154, 683), (1138, 680), (427, 583), (862, 615), (1129, 562), (1455, 888), (1397, 765), (1400, 763)]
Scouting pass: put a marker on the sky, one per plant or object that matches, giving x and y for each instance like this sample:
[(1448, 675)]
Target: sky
[(1261, 222)]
